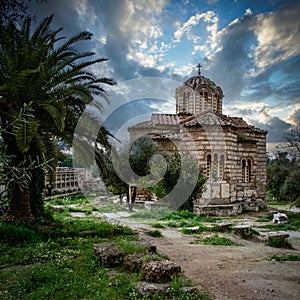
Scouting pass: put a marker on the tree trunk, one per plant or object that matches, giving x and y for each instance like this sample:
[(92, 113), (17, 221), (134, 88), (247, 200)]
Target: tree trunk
[(36, 194), (19, 206)]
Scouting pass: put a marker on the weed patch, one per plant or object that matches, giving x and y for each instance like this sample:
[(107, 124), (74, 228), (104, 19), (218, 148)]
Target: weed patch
[(158, 213), (217, 241), (263, 220), (285, 258), (157, 225), (278, 243), (154, 233)]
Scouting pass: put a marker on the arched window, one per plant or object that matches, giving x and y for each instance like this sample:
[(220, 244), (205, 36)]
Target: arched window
[(208, 166), (186, 96), (215, 165), (246, 169), (221, 166), (214, 172)]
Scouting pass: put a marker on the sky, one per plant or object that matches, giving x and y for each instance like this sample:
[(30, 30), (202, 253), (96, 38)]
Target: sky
[(251, 49)]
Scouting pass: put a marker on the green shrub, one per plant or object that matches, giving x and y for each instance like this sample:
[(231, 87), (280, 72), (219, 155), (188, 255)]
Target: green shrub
[(157, 225), (154, 233), (179, 214)]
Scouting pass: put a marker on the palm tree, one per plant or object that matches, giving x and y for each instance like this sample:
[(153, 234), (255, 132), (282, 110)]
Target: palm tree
[(44, 87)]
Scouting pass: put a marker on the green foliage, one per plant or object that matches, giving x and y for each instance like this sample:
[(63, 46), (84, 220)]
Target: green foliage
[(108, 172), (283, 176), (276, 176), (15, 234), (44, 88), (278, 243), (157, 225), (130, 248), (140, 154), (60, 263), (158, 213), (290, 189), (289, 257), (217, 241), (292, 225), (182, 173), (154, 233), (190, 231), (70, 200), (263, 220), (189, 217), (179, 214)]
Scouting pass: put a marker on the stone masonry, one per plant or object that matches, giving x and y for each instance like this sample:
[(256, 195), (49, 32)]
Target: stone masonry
[(231, 153)]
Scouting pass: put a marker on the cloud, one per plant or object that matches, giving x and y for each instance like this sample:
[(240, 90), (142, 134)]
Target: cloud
[(186, 28), (254, 59), (278, 36), (277, 129), (295, 117), (228, 65), (132, 27)]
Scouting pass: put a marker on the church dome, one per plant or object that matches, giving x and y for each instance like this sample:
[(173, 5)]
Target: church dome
[(198, 94), (195, 81)]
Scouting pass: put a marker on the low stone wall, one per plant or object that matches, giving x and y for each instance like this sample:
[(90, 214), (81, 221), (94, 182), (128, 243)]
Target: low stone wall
[(235, 208)]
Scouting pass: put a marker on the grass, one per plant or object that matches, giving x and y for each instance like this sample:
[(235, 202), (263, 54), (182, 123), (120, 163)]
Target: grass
[(217, 241), (263, 220), (61, 263), (56, 261), (158, 225), (191, 217), (278, 243), (187, 230), (154, 233), (158, 214), (282, 258), (292, 225)]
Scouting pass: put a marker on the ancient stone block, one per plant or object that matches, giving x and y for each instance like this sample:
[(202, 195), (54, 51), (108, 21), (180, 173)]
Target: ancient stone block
[(109, 254), (133, 262), (160, 271), (225, 190), (280, 218)]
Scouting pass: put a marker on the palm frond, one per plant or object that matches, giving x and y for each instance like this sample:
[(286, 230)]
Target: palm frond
[(57, 114)]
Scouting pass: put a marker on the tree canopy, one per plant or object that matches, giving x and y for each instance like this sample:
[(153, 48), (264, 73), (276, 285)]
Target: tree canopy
[(45, 85)]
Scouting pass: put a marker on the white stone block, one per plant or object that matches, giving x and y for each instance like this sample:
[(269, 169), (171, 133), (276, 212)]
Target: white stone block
[(280, 218)]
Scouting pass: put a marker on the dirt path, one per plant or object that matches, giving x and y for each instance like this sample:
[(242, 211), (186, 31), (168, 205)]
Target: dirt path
[(229, 272)]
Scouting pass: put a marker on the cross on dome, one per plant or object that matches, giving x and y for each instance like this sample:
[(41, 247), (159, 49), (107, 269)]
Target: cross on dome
[(199, 69)]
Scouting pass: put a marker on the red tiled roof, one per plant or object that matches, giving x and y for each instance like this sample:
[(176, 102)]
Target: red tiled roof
[(165, 119), (146, 124), (213, 118), (203, 118)]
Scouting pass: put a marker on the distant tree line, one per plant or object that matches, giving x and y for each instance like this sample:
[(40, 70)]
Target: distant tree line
[(283, 172)]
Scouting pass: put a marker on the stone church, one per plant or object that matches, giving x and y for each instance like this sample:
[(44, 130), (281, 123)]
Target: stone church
[(231, 153)]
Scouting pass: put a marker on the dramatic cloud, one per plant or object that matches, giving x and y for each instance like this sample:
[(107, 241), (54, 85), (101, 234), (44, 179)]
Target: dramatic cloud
[(230, 63), (278, 36), (252, 51), (295, 117)]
